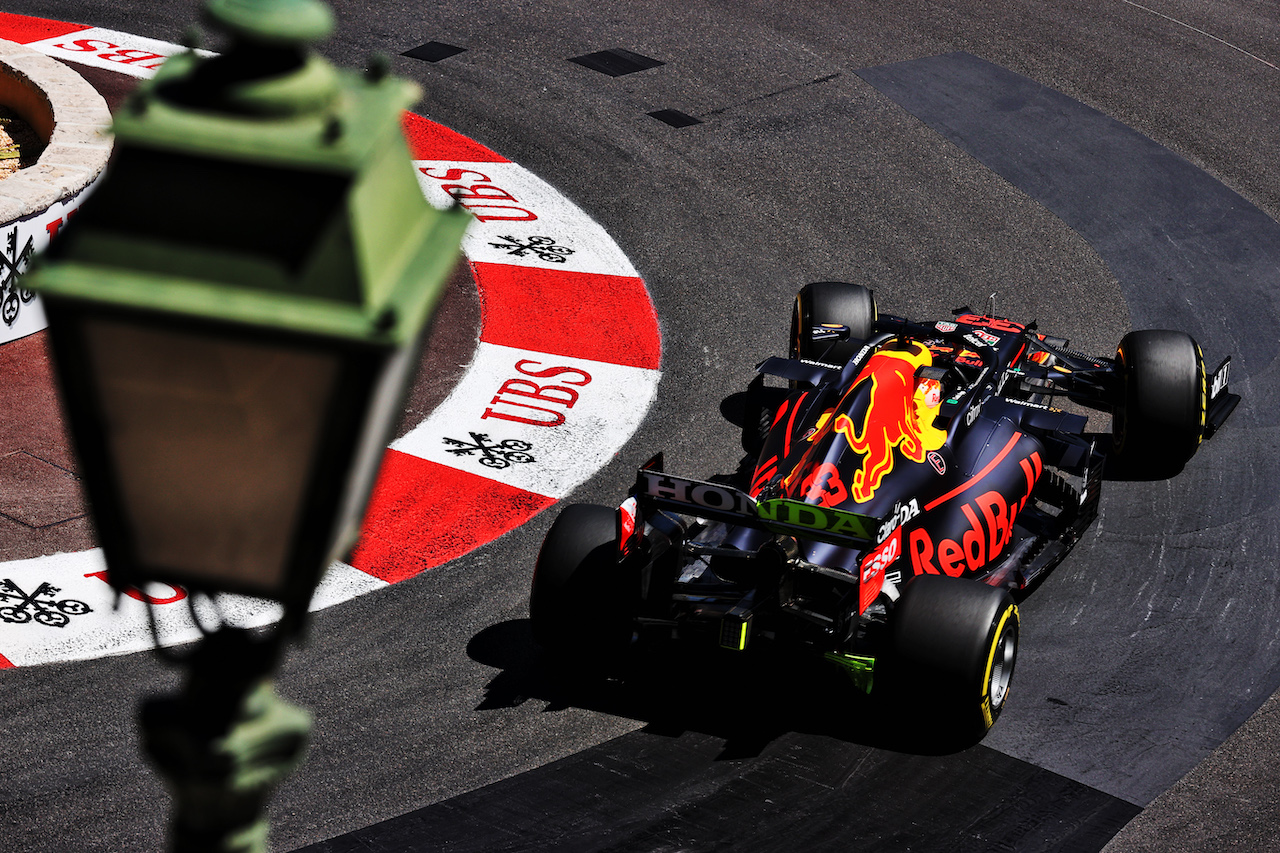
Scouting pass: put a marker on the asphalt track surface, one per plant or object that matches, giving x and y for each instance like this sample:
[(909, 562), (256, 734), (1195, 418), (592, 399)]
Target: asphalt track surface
[(1096, 165)]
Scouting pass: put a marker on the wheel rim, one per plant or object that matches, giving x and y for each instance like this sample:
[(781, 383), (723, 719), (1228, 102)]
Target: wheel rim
[(1002, 666)]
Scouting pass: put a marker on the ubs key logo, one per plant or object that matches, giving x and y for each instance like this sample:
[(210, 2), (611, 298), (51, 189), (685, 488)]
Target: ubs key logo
[(544, 248), (14, 262), (41, 605), (492, 454)]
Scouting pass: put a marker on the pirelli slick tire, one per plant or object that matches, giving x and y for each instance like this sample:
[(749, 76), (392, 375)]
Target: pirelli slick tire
[(955, 643), (1159, 422), (836, 302), (580, 603)]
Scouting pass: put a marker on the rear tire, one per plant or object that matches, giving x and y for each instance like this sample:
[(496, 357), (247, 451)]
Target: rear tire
[(821, 302), (580, 603), (955, 643), (1159, 423)]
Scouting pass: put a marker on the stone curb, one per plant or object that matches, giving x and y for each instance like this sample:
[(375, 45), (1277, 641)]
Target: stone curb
[(64, 109)]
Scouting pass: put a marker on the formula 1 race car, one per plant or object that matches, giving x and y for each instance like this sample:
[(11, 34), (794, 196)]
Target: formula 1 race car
[(909, 477)]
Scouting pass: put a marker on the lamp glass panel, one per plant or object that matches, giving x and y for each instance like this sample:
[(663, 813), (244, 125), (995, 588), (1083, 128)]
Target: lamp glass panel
[(212, 440)]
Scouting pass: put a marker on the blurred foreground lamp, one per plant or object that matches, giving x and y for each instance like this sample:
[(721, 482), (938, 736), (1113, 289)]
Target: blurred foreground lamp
[(235, 314), (238, 308)]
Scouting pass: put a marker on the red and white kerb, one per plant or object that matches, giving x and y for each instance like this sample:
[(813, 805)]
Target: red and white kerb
[(566, 367)]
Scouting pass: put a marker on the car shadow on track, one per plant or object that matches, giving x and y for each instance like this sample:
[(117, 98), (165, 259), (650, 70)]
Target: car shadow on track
[(747, 699)]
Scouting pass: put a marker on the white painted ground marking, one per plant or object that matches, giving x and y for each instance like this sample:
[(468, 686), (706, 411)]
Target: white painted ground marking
[(1200, 31), (115, 51), (510, 201), (114, 626), (609, 400)]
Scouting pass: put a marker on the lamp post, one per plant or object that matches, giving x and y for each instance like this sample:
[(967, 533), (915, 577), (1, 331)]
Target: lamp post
[(233, 365)]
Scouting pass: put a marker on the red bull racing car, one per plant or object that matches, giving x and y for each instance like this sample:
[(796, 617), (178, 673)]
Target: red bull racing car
[(908, 478)]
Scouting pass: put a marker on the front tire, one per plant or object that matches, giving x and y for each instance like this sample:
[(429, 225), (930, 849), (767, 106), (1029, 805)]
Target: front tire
[(580, 602), (850, 305), (955, 642), (1159, 422)]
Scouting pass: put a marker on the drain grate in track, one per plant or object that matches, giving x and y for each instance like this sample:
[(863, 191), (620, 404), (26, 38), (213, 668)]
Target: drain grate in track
[(434, 51), (675, 118), (616, 62)]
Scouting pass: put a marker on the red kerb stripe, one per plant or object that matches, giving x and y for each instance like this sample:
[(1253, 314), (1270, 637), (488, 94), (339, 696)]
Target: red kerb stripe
[(430, 141), (579, 315), (423, 514), (25, 30)]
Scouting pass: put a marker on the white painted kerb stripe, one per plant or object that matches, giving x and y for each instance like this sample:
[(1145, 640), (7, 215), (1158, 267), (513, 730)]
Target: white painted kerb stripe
[(609, 401), (509, 201), (112, 629), (115, 51)]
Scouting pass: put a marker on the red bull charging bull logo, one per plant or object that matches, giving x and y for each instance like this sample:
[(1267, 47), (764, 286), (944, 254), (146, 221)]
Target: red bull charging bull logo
[(899, 415)]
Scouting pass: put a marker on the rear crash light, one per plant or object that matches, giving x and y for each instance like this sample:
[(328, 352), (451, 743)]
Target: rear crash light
[(735, 631)]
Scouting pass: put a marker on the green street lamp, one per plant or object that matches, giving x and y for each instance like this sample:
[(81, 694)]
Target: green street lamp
[(233, 363)]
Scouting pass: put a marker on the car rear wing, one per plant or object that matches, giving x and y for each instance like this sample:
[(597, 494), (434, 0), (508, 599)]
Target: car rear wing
[(657, 489)]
